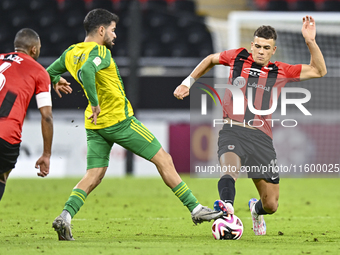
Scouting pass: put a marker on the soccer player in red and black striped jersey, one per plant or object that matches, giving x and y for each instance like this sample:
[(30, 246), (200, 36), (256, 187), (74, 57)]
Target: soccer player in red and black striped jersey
[(242, 144), (21, 76)]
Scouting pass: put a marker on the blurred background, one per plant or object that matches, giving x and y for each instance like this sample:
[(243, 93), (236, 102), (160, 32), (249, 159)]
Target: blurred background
[(158, 44)]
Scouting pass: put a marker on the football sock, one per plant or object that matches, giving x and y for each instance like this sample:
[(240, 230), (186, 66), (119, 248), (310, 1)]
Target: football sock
[(66, 216), (2, 189), (259, 208), (226, 189), (185, 195), (75, 201)]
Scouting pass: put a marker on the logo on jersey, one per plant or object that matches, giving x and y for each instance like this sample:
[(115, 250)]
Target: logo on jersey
[(239, 82), (260, 86), (97, 61), (254, 72), (231, 147), (77, 59)]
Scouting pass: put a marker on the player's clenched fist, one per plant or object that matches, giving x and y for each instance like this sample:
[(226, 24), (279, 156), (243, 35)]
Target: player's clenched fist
[(181, 92)]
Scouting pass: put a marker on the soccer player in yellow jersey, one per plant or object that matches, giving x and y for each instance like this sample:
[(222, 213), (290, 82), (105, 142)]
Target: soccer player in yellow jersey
[(109, 119)]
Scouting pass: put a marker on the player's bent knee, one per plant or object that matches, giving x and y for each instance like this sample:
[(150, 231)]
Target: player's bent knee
[(95, 176), (167, 161), (162, 159), (270, 207)]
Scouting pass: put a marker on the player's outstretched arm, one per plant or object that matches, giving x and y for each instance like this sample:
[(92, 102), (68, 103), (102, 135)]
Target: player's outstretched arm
[(317, 67), (62, 86), (202, 68), (43, 163)]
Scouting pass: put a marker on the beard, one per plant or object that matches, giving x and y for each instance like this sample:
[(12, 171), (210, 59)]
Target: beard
[(107, 42)]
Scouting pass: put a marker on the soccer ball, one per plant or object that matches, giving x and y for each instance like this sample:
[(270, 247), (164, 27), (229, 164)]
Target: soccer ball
[(227, 227)]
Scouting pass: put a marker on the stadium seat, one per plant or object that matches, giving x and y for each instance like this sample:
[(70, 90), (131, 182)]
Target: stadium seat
[(60, 25), (155, 19), (38, 7), (6, 47), (183, 6), (69, 5), (188, 20), (58, 34), (331, 6), (169, 34), (12, 5), (119, 50), (73, 18), (6, 34), (104, 4), (20, 19), (153, 49), (124, 19), (77, 35), (205, 49), (179, 50), (156, 5), (48, 18), (196, 33), (122, 5), (305, 5), (277, 5)]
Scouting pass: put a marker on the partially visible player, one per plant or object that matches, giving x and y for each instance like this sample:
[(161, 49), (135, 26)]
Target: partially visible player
[(109, 119), (244, 145), (21, 76)]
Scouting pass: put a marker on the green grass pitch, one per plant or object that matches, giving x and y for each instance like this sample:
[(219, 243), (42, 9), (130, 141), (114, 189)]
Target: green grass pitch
[(142, 216)]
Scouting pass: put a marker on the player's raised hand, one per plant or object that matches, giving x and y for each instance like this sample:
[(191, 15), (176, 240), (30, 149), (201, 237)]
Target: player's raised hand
[(308, 28), (43, 164), (181, 92), (95, 113), (63, 86)]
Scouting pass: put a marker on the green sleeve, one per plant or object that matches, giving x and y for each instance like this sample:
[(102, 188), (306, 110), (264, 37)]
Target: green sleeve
[(93, 64), (57, 68)]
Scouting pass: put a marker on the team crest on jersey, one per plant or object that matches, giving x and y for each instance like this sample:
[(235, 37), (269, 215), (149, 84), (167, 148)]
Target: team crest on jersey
[(254, 72), (231, 147), (239, 82)]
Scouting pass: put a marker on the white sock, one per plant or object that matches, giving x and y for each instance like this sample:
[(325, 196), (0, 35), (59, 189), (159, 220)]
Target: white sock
[(253, 212), (197, 208), (230, 205), (66, 216)]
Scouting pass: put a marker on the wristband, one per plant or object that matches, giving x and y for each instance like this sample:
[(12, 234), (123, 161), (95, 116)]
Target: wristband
[(188, 81)]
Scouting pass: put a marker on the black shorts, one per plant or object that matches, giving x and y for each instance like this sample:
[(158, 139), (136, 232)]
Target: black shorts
[(255, 148), (9, 154)]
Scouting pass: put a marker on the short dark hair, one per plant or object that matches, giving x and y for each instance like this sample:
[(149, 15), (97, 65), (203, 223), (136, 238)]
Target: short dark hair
[(266, 32), (26, 38), (98, 17)]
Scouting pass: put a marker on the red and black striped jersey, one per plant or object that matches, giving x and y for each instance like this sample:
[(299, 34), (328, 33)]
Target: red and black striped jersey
[(20, 78), (245, 73)]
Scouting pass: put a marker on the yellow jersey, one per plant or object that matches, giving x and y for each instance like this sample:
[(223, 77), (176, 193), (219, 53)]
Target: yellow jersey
[(93, 67)]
